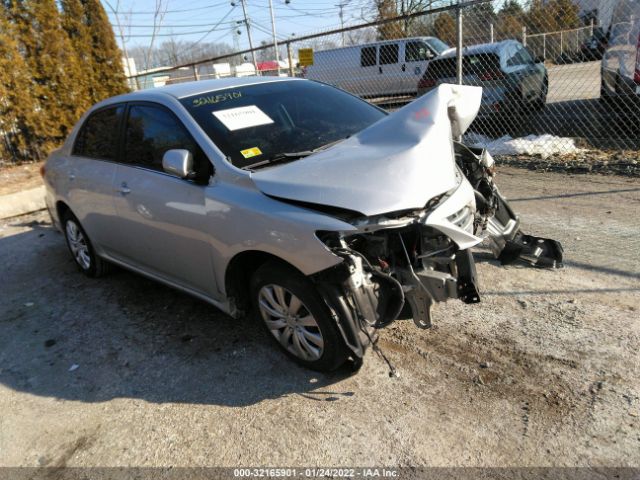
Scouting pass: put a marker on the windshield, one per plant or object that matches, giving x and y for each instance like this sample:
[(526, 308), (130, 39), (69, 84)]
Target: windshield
[(259, 122), (438, 45)]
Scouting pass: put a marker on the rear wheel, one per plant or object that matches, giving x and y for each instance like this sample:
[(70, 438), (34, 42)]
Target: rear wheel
[(296, 317), (81, 249)]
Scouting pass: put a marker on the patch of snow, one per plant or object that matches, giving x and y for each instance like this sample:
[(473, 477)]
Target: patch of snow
[(543, 145)]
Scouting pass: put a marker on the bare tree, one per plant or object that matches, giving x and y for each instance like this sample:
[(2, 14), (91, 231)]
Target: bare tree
[(158, 16)]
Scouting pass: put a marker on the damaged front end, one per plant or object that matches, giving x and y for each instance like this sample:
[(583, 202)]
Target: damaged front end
[(443, 202), (402, 262), (495, 220)]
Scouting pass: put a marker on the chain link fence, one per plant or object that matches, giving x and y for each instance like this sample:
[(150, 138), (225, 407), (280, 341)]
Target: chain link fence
[(557, 78)]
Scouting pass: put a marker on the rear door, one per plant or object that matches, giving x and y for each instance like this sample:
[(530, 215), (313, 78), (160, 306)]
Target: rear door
[(390, 79), (368, 70), (91, 174), (161, 219)]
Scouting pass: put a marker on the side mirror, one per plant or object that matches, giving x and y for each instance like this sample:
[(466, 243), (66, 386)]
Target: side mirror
[(178, 162)]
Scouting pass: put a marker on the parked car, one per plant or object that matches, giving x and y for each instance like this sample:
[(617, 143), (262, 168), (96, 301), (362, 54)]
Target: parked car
[(593, 48), (376, 69), (253, 195), (621, 59), (510, 78)]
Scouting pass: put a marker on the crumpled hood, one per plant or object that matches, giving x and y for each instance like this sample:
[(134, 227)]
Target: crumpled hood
[(398, 163)]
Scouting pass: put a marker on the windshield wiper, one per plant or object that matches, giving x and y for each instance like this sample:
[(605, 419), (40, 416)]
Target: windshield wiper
[(285, 157)]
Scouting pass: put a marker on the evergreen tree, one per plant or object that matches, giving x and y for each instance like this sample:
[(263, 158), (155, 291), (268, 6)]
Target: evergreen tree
[(74, 24), (510, 20), (54, 69), (17, 107), (109, 78), (477, 22)]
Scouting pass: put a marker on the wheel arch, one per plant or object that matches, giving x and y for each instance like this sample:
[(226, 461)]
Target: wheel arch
[(238, 275), (61, 209)]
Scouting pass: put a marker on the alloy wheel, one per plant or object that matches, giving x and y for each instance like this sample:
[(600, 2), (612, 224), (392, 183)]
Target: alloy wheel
[(78, 245), (291, 322)]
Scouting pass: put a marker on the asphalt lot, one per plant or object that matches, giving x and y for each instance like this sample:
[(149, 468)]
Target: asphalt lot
[(545, 371), (576, 81)]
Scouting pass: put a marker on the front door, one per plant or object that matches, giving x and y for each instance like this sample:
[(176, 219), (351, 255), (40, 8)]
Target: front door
[(416, 58), (161, 219)]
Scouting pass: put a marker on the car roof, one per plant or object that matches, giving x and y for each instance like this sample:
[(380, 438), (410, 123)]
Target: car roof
[(187, 89), (478, 49), (377, 43)]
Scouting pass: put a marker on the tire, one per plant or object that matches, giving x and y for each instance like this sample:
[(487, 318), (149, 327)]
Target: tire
[(296, 317), (81, 249)]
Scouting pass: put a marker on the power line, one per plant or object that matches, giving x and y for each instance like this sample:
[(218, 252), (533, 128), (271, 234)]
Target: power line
[(170, 11)]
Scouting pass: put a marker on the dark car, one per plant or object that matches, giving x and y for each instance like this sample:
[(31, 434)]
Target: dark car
[(511, 79)]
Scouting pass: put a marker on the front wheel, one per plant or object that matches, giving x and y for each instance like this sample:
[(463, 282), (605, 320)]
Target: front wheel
[(540, 102), (289, 306)]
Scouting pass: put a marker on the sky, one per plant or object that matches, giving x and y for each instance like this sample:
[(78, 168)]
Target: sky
[(215, 20)]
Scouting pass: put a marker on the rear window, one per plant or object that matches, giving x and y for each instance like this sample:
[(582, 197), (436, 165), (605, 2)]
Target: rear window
[(257, 122), (471, 65), (368, 56), (389, 54), (98, 137)]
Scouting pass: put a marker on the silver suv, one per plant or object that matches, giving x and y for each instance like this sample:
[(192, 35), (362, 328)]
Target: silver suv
[(621, 59), (288, 198)]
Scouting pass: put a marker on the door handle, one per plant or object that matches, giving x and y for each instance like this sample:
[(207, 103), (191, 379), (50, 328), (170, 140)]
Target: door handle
[(404, 67), (379, 69), (124, 189)]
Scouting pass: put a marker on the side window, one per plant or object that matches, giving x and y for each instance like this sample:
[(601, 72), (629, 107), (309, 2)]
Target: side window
[(514, 57), (389, 54), (527, 58), (98, 137), (151, 131), (417, 52), (368, 56)]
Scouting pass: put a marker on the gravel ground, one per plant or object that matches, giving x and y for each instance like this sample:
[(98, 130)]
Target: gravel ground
[(122, 371), (605, 162)]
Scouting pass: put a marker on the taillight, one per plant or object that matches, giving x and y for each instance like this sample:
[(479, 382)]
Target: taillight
[(636, 75), (427, 82), (491, 75), (43, 170)]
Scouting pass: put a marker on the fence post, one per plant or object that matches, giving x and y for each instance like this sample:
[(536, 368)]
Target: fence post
[(592, 24), (544, 46), (491, 32), (524, 36), (561, 43), (195, 72), (290, 59), (459, 44)]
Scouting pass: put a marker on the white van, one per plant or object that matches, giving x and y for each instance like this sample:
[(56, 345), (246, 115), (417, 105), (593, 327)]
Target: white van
[(391, 67)]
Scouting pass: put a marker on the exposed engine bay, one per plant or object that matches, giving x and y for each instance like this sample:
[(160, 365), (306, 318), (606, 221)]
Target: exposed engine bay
[(400, 261)]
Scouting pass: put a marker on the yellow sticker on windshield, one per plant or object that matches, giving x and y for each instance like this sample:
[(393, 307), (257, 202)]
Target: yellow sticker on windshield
[(251, 152)]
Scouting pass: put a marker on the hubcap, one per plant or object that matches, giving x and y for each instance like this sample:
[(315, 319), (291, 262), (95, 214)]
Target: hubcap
[(78, 245), (291, 322)]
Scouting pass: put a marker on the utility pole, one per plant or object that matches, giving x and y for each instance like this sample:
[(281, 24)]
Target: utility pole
[(341, 6), (246, 22), (275, 39)]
